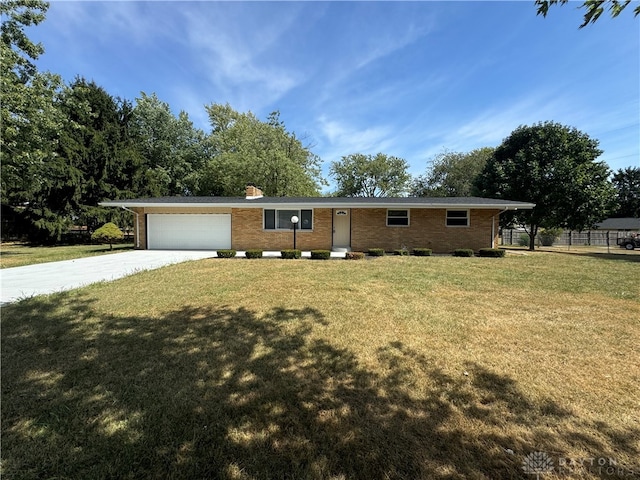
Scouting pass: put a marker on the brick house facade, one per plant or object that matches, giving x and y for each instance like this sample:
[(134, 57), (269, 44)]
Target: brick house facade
[(254, 221)]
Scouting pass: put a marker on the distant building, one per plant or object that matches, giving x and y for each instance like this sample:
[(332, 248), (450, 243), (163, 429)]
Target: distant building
[(620, 224)]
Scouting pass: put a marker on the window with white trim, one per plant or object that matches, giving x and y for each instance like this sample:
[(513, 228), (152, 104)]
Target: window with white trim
[(280, 219), (397, 218), (457, 218)]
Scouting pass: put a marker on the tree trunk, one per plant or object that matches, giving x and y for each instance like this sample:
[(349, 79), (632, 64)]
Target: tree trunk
[(532, 237), (110, 246)]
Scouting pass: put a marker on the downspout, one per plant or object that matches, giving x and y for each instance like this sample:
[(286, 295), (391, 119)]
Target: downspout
[(137, 226), (493, 227)]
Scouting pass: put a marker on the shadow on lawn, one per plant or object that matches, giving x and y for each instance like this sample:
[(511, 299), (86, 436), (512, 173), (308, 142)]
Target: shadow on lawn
[(221, 392)]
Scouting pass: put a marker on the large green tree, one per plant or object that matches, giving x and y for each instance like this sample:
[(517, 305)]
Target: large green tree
[(451, 174), (173, 150), (96, 152), (244, 149), (18, 51), (88, 156), (593, 8), (30, 122), (627, 192), (555, 167), (380, 175)]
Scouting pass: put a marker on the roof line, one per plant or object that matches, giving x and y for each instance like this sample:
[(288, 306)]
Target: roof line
[(507, 205)]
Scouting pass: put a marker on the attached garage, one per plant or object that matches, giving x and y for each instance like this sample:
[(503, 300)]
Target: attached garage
[(255, 221), (169, 231)]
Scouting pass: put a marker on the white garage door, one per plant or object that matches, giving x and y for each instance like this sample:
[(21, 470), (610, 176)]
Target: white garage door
[(188, 231)]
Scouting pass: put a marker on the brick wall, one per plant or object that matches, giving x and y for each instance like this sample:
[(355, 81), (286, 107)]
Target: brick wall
[(140, 230), (426, 229), (247, 232)]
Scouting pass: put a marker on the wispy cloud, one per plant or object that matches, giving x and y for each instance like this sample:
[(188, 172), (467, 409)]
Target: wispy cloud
[(492, 125), (238, 57), (106, 21), (375, 43), (340, 138), (386, 43)]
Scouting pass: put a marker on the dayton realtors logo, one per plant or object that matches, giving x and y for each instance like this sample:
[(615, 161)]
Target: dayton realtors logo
[(537, 463)]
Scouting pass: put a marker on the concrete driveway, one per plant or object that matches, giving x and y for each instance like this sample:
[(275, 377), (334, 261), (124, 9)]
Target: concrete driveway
[(43, 278)]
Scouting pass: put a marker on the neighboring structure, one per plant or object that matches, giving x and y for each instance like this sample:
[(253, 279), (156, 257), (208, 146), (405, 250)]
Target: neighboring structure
[(210, 223), (620, 224)]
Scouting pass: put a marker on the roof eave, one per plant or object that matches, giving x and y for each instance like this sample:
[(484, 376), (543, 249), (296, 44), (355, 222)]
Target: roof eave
[(258, 204)]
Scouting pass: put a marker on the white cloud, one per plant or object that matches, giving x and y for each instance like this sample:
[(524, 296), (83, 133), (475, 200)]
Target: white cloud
[(137, 21), (365, 49), (237, 55), (386, 43), (340, 138), (492, 125)]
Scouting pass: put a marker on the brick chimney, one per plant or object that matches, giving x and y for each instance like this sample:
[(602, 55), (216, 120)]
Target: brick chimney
[(253, 192)]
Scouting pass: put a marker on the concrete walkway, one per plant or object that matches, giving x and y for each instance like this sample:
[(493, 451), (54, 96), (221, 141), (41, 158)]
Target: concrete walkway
[(43, 278)]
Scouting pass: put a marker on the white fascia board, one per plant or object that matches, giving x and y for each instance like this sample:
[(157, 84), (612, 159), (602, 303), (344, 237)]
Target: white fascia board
[(289, 205), (396, 206), (124, 203)]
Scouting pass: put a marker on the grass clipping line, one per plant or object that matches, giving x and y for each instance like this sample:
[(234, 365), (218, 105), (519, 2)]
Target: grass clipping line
[(420, 368)]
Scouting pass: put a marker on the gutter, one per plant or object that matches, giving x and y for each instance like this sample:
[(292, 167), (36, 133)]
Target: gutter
[(493, 226), (137, 225), (303, 204)]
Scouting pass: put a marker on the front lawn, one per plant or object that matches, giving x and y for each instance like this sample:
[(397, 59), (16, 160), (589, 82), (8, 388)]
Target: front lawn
[(19, 254), (393, 368)]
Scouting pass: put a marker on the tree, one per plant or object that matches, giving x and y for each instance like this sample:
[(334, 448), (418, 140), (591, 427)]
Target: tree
[(71, 164), (451, 174), (108, 233), (95, 149), (244, 149), (359, 175), (172, 149), (594, 8), (30, 123), (627, 197), (553, 166), (18, 52)]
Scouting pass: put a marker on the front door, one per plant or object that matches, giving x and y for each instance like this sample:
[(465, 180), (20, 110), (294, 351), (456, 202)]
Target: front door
[(341, 228)]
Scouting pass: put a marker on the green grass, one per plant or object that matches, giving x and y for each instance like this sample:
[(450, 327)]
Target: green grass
[(402, 367), (18, 254)]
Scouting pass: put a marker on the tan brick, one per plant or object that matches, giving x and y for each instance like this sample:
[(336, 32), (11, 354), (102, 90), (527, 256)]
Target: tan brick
[(247, 232), (427, 229), (141, 229)]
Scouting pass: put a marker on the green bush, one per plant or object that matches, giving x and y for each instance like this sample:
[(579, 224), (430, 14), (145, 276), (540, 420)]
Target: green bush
[(254, 253), (376, 252), (354, 255), (549, 235), (422, 252), (523, 241), (108, 233), (463, 252), (401, 251), (491, 252), (290, 254), (320, 254), (226, 253)]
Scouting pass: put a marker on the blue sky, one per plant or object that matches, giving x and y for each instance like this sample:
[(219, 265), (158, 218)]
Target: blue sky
[(408, 79)]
